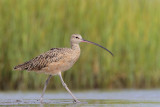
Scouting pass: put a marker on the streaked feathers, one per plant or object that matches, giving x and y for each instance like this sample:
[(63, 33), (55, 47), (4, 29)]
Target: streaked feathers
[(41, 61)]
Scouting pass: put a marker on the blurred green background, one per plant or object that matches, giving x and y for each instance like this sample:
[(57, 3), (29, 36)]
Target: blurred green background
[(128, 28)]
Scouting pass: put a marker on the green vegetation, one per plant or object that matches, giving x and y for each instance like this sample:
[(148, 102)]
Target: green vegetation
[(128, 28)]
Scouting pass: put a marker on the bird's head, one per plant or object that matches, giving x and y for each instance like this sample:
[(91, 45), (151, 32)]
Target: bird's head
[(76, 38)]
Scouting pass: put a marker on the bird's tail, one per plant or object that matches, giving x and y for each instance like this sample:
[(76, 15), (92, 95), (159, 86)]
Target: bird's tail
[(21, 67)]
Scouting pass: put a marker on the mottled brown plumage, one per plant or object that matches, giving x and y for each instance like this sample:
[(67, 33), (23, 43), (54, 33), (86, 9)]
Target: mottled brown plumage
[(41, 61), (53, 61)]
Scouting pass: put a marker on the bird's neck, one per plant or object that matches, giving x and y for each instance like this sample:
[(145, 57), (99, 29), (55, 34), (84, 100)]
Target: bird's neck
[(75, 46)]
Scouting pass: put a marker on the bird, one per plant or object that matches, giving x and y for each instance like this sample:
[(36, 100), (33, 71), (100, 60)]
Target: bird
[(55, 61)]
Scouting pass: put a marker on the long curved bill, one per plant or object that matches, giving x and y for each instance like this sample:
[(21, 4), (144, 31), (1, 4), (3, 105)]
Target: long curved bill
[(97, 45)]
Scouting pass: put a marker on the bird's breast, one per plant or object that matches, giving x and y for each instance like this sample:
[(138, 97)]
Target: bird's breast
[(64, 64)]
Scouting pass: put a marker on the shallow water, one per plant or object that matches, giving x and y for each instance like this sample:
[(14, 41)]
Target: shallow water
[(123, 98)]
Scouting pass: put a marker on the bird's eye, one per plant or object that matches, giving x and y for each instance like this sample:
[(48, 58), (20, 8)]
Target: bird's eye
[(77, 37)]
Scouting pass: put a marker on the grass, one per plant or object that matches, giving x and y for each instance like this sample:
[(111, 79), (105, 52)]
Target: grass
[(129, 29)]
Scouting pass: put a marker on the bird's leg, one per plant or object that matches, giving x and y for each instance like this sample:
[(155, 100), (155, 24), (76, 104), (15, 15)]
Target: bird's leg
[(45, 86), (75, 99)]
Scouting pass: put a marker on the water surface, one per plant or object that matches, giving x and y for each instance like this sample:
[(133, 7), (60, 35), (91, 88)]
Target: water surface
[(123, 98)]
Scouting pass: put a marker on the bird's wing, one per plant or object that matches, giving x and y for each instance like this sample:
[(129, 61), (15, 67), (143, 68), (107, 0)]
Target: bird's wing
[(43, 60)]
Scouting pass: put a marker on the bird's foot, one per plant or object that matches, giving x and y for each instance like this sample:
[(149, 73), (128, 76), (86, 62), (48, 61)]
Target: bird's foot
[(76, 101)]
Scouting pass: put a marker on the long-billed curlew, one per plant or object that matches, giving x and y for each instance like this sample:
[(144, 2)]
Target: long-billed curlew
[(55, 61)]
